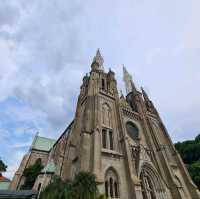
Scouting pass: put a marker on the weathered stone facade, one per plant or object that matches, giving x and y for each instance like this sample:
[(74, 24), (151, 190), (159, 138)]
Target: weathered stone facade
[(122, 140)]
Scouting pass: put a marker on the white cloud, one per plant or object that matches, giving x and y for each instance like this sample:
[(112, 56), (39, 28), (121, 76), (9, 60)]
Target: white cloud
[(14, 164), (46, 47)]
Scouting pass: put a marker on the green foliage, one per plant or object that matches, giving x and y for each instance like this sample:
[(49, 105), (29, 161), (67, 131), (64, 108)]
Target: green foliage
[(3, 167), (194, 170), (31, 174), (190, 153), (82, 187), (197, 139), (85, 186), (189, 150), (58, 189), (102, 197)]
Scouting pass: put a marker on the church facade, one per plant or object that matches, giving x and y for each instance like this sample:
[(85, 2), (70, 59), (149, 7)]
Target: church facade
[(120, 139)]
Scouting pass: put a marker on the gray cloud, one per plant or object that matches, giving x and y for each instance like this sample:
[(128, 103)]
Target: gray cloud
[(9, 13), (47, 52), (47, 46)]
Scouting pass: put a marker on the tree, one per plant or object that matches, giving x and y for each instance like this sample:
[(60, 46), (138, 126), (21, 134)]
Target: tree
[(190, 153), (31, 174), (83, 186), (58, 189), (3, 167)]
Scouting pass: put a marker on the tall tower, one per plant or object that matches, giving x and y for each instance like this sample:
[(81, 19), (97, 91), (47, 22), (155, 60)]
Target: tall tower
[(122, 140)]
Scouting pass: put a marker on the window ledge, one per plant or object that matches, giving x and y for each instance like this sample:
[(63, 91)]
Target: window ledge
[(111, 152)]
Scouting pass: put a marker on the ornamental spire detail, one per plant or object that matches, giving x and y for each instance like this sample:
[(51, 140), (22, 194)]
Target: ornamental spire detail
[(98, 59), (146, 98), (128, 80)]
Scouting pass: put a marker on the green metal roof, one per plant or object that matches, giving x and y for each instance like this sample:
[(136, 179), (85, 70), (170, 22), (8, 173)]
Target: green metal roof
[(4, 185), (42, 143), (49, 168)]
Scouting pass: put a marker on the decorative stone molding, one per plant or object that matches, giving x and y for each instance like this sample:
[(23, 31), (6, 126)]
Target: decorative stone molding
[(131, 114)]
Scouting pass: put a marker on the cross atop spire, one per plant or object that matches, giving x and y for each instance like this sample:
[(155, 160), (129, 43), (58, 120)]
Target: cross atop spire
[(98, 59), (128, 81)]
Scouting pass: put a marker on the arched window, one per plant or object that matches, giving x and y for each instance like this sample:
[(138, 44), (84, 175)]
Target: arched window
[(132, 130), (111, 184), (104, 138), (111, 139), (151, 184), (147, 187), (107, 139)]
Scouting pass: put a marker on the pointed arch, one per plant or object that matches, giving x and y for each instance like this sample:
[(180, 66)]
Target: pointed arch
[(151, 183), (111, 183), (132, 130)]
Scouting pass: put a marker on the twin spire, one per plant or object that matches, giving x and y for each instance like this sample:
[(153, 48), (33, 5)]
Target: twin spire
[(127, 77)]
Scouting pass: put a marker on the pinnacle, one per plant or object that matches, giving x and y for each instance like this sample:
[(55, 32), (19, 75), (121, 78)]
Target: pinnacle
[(144, 94), (98, 52), (98, 58), (124, 68)]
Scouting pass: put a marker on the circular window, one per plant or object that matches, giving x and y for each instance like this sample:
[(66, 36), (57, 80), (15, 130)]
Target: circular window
[(132, 130)]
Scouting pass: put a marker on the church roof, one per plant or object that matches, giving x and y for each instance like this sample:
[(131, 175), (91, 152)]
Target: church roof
[(42, 143)]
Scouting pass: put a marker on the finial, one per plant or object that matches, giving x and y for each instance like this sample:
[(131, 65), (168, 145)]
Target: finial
[(98, 59)]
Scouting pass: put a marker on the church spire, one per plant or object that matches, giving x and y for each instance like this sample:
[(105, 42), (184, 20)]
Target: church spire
[(146, 98), (98, 61), (128, 81)]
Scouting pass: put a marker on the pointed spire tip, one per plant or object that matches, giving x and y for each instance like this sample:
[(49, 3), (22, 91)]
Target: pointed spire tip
[(98, 58)]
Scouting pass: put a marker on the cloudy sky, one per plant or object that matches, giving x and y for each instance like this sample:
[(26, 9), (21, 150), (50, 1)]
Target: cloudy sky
[(47, 46)]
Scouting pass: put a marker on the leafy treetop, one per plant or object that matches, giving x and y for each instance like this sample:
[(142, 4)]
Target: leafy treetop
[(190, 153), (3, 167), (83, 186), (31, 174)]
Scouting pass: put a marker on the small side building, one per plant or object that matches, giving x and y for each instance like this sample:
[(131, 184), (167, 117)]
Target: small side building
[(39, 150), (4, 182)]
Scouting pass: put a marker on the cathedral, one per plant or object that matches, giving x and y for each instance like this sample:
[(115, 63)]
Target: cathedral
[(119, 138)]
